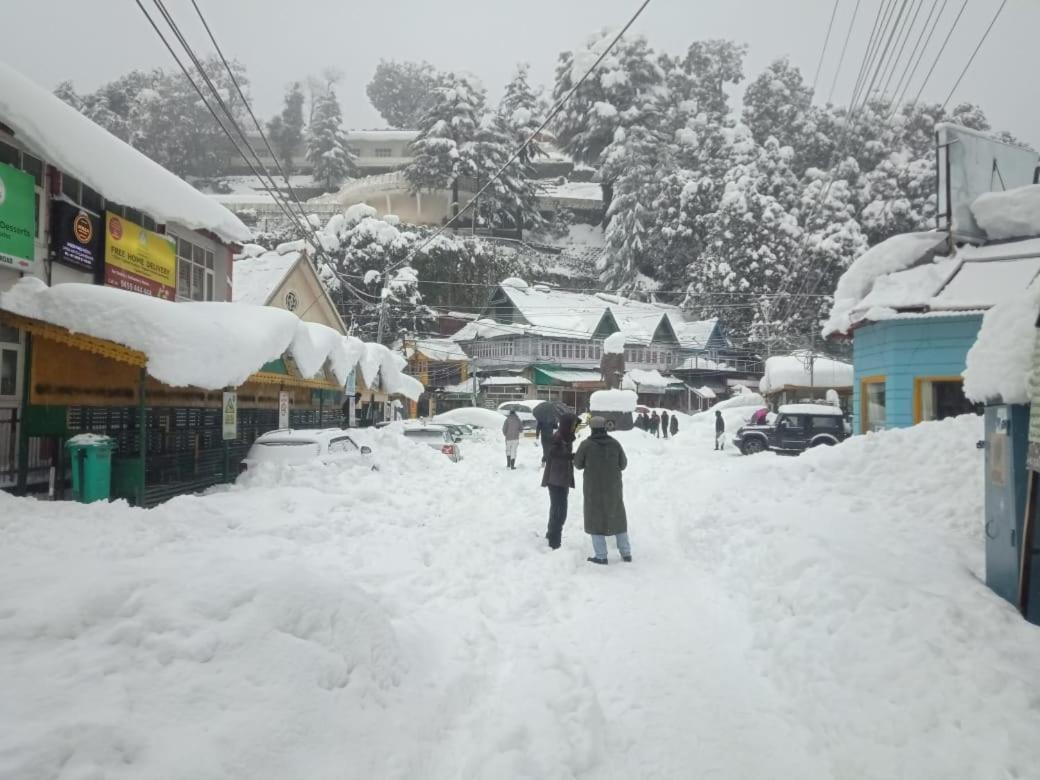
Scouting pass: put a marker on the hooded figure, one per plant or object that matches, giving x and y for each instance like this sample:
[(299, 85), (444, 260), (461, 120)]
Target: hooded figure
[(511, 429), (602, 458), (720, 431), (675, 424), (559, 477)]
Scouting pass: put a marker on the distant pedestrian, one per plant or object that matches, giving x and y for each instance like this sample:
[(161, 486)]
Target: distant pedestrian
[(511, 429), (675, 424), (720, 431), (602, 458), (559, 477), (665, 421), (655, 424)]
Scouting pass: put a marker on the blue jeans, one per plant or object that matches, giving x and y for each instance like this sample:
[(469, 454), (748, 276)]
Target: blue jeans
[(599, 545)]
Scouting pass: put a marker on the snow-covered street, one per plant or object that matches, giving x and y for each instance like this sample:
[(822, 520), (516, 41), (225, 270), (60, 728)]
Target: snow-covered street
[(782, 618)]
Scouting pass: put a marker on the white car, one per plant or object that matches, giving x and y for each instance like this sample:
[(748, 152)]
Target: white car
[(303, 446), (440, 437)]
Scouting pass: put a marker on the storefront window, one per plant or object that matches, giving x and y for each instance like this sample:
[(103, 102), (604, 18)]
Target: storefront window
[(9, 349), (940, 397), (874, 405), (195, 272)]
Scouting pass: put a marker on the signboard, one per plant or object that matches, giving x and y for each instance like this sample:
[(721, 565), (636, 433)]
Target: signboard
[(139, 260), (75, 236), (977, 163), (229, 415), (17, 218), (283, 409)]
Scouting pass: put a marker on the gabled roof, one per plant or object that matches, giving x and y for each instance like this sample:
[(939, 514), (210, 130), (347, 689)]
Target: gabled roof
[(64, 137), (438, 350), (257, 279)]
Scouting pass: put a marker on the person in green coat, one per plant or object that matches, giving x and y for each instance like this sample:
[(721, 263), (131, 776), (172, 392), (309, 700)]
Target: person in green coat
[(602, 459)]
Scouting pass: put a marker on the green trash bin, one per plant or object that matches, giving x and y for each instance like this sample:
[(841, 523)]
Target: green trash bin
[(91, 457)]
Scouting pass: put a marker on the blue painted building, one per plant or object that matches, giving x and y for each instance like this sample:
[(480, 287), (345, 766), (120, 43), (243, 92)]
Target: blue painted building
[(911, 329), (908, 369)]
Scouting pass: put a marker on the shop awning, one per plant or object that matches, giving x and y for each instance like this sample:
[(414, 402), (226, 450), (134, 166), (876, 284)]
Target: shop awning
[(568, 377)]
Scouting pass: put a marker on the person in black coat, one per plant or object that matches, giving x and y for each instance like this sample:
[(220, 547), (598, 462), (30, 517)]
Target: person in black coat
[(655, 424), (544, 432), (558, 477), (664, 423), (720, 431), (675, 424)]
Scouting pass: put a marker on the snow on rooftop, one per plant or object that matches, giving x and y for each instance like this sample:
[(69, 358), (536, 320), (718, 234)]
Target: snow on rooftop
[(913, 287), (1011, 214), (209, 345), (440, 349), (62, 136), (497, 381), (258, 278), (1000, 362), (614, 344), (897, 253), (613, 401), (571, 190), (979, 285), (793, 371), (381, 135), (810, 409)]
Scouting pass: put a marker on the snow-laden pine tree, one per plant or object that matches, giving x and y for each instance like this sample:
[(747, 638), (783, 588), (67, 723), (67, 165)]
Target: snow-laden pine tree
[(749, 246), (614, 96), (327, 149), (711, 66), (285, 130), (777, 104), (522, 112), (510, 202), (449, 124)]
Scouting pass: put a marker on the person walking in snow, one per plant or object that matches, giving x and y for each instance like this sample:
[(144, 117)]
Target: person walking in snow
[(664, 423), (720, 431), (558, 477), (675, 424), (511, 429), (602, 459), (655, 424)]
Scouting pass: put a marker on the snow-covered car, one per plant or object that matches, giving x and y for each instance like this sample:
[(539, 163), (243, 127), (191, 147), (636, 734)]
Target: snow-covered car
[(797, 427), (300, 447), (439, 437)]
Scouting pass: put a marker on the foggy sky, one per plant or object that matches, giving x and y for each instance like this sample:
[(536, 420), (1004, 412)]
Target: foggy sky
[(279, 41)]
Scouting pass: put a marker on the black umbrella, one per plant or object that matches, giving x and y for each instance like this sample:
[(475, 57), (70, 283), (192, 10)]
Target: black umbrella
[(549, 412)]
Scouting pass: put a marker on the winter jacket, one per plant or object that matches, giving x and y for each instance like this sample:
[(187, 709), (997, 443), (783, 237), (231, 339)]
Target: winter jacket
[(675, 425), (602, 458), (559, 466), (720, 424), (512, 427), (655, 422)]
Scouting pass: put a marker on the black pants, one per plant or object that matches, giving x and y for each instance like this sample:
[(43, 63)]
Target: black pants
[(557, 514)]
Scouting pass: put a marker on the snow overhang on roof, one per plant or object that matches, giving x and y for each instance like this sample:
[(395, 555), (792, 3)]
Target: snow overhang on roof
[(63, 137)]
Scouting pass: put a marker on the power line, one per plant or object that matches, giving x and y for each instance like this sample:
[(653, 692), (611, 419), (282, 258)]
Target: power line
[(902, 86), (844, 48), (902, 47), (826, 40), (942, 48), (971, 59)]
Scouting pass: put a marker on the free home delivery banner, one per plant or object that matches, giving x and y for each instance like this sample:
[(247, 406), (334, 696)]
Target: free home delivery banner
[(17, 218), (139, 260)]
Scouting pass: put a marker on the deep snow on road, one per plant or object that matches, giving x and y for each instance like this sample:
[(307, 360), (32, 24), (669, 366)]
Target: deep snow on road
[(810, 617)]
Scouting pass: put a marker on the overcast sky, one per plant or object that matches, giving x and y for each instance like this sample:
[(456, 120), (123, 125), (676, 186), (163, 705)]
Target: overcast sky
[(279, 41)]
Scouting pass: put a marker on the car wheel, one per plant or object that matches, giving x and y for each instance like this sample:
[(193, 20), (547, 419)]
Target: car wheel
[(827, 441), (753, 446)]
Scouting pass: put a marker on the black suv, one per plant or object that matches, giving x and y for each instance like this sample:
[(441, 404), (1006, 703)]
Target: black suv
[(797, 427)]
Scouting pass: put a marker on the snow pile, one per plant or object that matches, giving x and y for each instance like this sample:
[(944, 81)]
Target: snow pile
[(793, 371), (1011, 214), (62, 136), (515, 283), (204, 344), (614, 344), (472, 415), (613, 401), (895, 254), (1000, 361)]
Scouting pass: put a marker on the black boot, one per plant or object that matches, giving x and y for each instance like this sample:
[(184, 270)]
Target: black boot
[(600, 561), (626, 558)]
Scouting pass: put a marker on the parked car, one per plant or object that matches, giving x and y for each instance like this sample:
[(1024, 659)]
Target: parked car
[(298, 447), (439, 437), (796, 428)]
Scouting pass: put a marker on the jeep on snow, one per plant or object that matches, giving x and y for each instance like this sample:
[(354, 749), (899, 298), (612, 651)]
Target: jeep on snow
[(796, 428)]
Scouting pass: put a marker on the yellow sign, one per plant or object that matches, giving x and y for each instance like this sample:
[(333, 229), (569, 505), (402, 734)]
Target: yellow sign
[(138, 259)]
